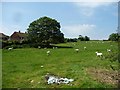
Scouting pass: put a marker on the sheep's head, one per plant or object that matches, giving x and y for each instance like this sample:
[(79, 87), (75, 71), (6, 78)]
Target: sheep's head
[(96, 52)]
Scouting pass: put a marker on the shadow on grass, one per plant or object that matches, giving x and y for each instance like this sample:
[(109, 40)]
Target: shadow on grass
[(53, 46)]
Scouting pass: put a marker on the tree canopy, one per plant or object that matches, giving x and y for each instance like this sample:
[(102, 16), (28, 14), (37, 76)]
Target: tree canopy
[(45, 30), (114, 37)]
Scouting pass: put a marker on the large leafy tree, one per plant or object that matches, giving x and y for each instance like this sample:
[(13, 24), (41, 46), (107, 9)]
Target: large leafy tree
[(45, 30), (114, 37)]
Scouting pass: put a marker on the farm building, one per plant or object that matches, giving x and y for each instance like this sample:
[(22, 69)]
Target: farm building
[(3, 37), (18, 36)]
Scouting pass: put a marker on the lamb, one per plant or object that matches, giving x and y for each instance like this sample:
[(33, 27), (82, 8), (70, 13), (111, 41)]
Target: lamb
[(39, 47), (99, 54), (77, 50), (84, 48), (48, 52), (108, 50), (53, 47), (45, 48), (10, 48), (41, 66)]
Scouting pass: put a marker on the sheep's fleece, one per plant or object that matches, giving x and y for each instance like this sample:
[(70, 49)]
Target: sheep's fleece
[(53, 79)]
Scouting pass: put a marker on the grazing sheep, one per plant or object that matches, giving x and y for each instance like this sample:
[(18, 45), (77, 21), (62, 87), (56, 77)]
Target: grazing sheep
[(41, 66), (77, 50), (39, 47), (48, 52), (84, 48), (53, 47), (10, 48), (45, 48), (108, 50), (99, 54)]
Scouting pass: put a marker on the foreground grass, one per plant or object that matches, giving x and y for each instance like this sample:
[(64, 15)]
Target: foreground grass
[(20, 66)]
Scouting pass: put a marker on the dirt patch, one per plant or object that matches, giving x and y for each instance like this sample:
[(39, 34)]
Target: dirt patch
[(104, 76)]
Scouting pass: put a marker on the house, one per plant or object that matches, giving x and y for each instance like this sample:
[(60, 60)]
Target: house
[(4, 37), (18, 36)]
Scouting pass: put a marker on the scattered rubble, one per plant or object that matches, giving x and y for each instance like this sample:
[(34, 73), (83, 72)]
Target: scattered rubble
[(54, 79)]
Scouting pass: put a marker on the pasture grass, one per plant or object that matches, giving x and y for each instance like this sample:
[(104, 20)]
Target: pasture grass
[(20, 66)]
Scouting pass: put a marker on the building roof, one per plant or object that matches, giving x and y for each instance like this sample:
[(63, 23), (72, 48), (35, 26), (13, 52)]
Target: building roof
[(3, 35), (20, 34)]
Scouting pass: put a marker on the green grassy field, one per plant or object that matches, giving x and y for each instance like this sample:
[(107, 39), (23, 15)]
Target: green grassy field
[(20, 66)]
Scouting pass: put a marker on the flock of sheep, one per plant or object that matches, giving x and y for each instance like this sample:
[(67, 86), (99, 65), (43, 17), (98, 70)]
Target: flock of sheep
[(98, 54)]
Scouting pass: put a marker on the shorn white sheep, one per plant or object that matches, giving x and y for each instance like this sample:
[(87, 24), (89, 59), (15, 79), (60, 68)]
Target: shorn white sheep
[(39, 47), (108, 50), (99, 54), (84, 48), (48, 52), (54, 47), (10, 48), (77, 50)]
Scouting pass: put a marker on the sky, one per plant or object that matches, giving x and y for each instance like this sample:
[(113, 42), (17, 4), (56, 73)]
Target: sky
[(94, 19)]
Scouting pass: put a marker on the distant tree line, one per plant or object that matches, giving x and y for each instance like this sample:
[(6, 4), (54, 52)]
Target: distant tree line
[(70, 39), (81, 38)]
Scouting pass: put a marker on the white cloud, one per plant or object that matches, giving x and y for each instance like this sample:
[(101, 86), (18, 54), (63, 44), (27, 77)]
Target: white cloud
[(72, 31), (92, 4), (88, 8)]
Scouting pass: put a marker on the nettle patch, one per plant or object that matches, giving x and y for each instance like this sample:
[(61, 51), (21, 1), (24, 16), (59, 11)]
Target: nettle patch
[(104, 76)]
